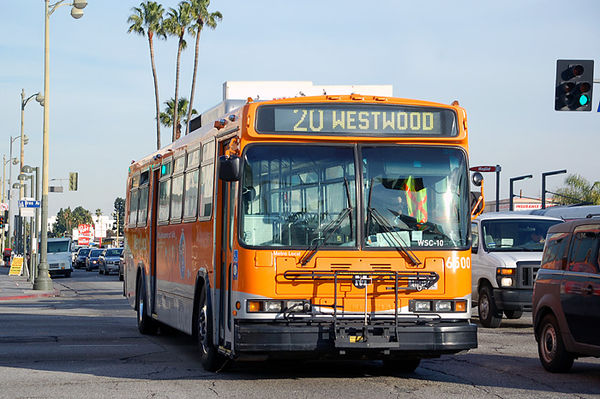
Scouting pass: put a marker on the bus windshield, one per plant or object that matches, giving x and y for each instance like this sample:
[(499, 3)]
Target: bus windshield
[(295, 196), (415, 197), (300, 196)]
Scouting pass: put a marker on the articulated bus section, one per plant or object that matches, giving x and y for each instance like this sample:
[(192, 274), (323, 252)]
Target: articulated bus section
[(312, 226)]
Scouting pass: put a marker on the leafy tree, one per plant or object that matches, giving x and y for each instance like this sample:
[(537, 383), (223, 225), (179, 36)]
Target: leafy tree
[(578, 190), (176, 24), (167, 116), (119, 215), (202, 18), (67, 220), (147, 20)]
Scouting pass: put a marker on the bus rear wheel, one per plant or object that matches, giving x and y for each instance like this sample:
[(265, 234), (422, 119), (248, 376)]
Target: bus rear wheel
[(209, 356), (145, 323)]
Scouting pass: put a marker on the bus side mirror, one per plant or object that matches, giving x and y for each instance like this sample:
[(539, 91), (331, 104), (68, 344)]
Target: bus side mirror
[(477, 179), (477, 200), (229, 168)]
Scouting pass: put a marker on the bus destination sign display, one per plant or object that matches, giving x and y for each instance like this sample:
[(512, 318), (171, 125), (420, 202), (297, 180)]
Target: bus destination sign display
[(356, 119)]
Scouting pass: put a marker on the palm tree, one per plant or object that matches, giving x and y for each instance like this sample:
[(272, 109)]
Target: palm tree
[(147, 19), (176, 24), (578, 190), (201, 18), (168, 115)]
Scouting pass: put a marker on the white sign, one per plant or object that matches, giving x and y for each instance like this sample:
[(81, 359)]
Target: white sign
[(27, 212), (3, 206)]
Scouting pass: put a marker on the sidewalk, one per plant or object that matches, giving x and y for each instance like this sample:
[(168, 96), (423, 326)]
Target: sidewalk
[(17, 287)]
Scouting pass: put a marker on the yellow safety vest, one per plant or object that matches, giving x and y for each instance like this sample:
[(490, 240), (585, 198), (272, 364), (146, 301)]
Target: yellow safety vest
[(416, 201)]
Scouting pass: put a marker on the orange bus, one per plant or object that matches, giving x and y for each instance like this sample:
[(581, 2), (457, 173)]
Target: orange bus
[(327, 226)]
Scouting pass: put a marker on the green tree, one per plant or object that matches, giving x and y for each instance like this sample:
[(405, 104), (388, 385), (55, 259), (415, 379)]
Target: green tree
[(147, 20), (67, 220), (176, 24), (167, 116), (578, 190), (202, 18)]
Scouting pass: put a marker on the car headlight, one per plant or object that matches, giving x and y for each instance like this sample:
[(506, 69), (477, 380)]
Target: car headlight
[(505, 276)]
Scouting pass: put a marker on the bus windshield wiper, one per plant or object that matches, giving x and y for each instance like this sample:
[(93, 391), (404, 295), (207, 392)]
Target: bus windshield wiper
[(329, 229), (373, 214)]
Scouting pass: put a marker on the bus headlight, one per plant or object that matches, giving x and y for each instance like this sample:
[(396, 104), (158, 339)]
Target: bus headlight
[(437, 306), (277, 306)]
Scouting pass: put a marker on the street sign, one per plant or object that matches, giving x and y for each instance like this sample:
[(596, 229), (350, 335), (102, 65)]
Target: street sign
[(483, 169), (27, 212), (29, 204), (55, 189), (3, 206)]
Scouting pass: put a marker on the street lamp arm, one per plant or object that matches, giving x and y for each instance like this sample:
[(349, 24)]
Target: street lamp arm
[(24, 103), (55, 6)]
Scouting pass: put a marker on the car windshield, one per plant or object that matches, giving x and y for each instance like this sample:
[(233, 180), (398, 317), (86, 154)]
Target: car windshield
[(515, 234), (415, 196), (113, 252), (83, 252), (291, 195), (96, 252), (58, 246)]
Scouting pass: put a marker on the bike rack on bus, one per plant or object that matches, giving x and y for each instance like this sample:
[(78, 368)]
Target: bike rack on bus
[(345, 336)]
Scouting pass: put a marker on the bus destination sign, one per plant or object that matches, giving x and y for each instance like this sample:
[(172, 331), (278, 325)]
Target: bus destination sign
[(356, 119)]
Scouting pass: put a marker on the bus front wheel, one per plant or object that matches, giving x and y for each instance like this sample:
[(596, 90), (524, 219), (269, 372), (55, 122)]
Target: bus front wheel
[(209, 356)]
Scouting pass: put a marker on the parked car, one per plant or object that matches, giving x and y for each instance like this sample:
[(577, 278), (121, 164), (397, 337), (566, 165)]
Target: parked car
[(506, 253), (81, 257), (109, 260), (566, 295), (92, 261)]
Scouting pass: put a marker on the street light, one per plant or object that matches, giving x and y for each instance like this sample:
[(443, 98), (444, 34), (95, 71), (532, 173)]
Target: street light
[(43, 282), (32, 173), (15, 161), (555, 172), (512, 180)]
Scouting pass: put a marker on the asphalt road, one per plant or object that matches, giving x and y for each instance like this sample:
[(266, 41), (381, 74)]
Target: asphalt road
[(85, 344)]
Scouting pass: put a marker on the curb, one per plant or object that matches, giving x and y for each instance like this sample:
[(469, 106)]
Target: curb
[(47, 294)]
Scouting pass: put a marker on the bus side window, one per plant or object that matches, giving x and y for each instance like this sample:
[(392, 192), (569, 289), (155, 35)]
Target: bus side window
[(133, 206), (143, 206), (207, 177), (164, 194), (176, 198)]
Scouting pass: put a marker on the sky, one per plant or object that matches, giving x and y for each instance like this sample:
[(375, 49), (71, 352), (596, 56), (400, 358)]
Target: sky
[(498, 59)]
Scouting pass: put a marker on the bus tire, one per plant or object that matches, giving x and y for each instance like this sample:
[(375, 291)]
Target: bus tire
[(551, 348), (209, 356), (489, 316), (145, 323), (513, 314), (402, 365)]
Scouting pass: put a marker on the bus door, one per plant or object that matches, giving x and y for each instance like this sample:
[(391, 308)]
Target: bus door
[(152, 231), (226, 205)]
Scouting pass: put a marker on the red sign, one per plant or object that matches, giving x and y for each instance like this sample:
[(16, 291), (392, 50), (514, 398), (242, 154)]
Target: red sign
[(85, 234), (483, 169)]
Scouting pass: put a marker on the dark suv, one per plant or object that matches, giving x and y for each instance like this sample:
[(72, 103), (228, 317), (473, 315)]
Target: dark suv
[(566, 295)]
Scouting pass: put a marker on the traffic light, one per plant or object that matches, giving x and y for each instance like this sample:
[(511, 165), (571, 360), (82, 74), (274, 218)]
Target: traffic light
[(574, 82), (1, 221), (72, 181)]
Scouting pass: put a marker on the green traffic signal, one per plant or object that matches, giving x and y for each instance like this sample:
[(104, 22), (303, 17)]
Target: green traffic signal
[(574, 80)]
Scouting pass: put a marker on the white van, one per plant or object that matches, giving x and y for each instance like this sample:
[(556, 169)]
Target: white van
[(59, 256), (506, 255)]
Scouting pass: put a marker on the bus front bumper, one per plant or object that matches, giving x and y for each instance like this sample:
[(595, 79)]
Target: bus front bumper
[(428, 340)]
